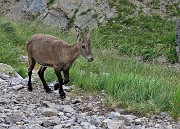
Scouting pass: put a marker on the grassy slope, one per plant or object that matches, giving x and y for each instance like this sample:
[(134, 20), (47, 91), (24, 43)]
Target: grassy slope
[(137, 87), (137, 34)]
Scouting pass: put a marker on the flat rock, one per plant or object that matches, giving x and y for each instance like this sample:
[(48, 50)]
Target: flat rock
[(49, 112)]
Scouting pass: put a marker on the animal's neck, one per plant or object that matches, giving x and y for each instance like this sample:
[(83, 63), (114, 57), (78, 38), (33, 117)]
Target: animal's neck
[(74, 51)]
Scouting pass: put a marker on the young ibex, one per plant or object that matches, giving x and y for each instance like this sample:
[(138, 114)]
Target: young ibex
[(49, 51)]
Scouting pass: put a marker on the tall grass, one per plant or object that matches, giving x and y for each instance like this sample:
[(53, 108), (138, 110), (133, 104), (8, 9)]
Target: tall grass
[(141, 87)]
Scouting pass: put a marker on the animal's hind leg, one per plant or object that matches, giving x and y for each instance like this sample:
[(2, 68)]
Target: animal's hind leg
[(32, 63), (41, 75)]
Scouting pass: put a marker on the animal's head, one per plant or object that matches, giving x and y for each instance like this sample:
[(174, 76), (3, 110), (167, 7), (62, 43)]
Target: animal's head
[(85, 44)]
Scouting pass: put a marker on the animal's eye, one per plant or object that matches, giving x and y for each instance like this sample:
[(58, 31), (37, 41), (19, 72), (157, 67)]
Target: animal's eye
[(83, 46)]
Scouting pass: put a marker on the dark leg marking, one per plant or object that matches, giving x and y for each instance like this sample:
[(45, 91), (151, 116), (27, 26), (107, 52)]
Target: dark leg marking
[(58, 74), (32, 63), (41, 75)]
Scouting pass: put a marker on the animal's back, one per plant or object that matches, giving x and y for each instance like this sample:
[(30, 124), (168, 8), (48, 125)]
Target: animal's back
[(39, 48)]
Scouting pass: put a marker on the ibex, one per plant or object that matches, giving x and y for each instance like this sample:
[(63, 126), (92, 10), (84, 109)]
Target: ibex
[(50, 51)]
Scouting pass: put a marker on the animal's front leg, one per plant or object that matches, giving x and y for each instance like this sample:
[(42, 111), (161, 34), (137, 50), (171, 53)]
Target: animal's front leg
[(61, 91), (66, 76), (66, 80)]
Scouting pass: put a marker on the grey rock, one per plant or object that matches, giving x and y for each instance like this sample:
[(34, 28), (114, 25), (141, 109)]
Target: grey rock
[(49, 104), (127, 118), (113, 115), (35, 126), (1, 80), (16, 117), (85, 125), (95, 120), (15, 127), (49, 112), (57, 126), (81, 117), (68, 109), (75, 101), (15, 81), (61, 113), (114, 124), (17, 87), (27, 9), (23, 58), (67, 125), (7, 71)]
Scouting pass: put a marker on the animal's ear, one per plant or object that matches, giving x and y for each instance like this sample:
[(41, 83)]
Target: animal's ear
[(89, 34)]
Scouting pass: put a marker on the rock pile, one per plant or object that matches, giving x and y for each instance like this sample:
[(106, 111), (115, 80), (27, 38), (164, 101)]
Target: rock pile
[(21, 109)]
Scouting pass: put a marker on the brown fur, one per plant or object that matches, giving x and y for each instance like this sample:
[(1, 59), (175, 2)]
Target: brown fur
[(50, 51)]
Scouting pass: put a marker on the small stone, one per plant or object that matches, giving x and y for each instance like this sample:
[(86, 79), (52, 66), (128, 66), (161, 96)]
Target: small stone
[(114, 124), (49, 104), (85, 124), (61, 113), (95, 120), (1, 80), (75, 101), (68, 109), (57, 126), (67, 125), (49, 112), (138, 121), (35, 126), (17, 87), (20, 123), (113, 115), (91, 98)]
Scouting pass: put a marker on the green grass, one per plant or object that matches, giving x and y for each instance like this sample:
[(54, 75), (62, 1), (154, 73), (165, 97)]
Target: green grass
[(138, 87), (144, 36)]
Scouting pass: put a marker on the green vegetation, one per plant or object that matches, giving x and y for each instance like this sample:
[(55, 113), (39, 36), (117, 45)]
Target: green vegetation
[(138, 87), (50, 2), (135, 34)]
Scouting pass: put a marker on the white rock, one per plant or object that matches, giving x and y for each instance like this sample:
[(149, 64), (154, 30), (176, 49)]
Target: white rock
[(17, 87), (61, 113), (1, 80)]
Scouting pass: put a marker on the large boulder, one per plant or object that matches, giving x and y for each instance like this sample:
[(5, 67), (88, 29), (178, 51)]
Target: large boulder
[(6, 5), (27, 8), (66, 13), (7, 72), (63, 13)]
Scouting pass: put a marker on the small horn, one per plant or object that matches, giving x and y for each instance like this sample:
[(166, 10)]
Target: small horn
[(81, 31)]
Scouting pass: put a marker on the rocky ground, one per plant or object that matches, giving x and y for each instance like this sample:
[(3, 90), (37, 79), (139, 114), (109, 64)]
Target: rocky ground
[(21, 109)]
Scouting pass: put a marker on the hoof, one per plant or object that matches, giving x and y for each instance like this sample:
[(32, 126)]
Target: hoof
[(30, 89), (56, 86), (65, 82), (48, 90), (62, 95)]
